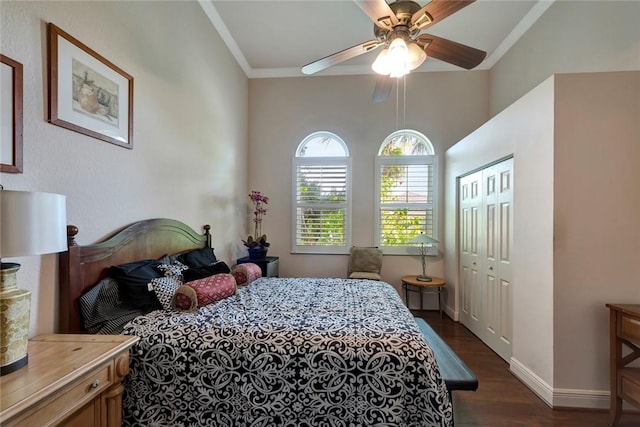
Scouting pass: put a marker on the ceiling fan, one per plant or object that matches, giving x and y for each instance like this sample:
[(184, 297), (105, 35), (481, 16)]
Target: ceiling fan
[(397, 27)]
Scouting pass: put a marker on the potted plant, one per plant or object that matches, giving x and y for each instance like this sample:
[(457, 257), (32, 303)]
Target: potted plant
[(257, 243)]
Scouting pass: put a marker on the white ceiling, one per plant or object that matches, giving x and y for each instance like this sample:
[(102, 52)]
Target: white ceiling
[(275, 38)]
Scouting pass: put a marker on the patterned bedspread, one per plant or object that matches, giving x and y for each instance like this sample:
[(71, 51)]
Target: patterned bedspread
[(286, 352)]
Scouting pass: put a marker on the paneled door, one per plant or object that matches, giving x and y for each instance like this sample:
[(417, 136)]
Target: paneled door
[(486, 242), (470, 202)]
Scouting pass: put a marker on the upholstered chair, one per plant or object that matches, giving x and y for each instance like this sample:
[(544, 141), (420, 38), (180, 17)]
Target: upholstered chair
[(365, 263)]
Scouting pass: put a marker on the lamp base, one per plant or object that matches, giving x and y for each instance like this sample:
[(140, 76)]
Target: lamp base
[(14, 366), (15, 305), (423, 279)]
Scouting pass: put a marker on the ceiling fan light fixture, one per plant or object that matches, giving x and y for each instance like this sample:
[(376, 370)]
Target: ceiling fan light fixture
[(398, 58), (417, 55), (381, 64)]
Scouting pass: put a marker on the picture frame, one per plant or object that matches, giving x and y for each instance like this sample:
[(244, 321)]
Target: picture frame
[(87, 93), (11, 87)]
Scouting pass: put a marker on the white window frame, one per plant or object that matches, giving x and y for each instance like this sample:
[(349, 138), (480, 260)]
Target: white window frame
[(321, 161), (382, 160)]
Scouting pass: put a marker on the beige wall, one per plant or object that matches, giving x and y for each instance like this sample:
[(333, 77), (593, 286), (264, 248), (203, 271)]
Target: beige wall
[(571, 37), (597, 218), (444, 106), (190, 128)]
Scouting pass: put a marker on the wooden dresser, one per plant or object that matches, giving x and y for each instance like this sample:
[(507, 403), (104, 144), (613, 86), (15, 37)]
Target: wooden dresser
[(71, 380), (625, 381)]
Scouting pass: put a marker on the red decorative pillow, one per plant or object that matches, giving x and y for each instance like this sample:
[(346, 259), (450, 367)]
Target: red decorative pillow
[(185, 299), (246, 273), (206, 290)]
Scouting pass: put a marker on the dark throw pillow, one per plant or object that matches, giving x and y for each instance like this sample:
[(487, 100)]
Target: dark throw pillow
[(198, 258), (205, 271), (133, 280)]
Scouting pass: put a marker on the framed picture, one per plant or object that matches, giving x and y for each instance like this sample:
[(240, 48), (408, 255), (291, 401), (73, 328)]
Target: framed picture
[(10, 115), (87, 93)]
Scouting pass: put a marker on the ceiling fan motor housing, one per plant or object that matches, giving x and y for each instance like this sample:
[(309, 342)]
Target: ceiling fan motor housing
[(404, 10)]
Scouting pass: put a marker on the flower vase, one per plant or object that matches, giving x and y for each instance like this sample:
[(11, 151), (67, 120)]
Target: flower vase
[(258, 252)]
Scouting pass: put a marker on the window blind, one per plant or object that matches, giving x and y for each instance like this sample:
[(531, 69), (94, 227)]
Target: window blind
[(321, 204)]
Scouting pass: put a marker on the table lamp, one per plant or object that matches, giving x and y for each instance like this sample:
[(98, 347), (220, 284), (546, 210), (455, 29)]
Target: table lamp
[(423, 240), (30, 224)]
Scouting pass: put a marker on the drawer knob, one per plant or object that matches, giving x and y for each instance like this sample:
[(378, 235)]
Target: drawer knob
[(95, 384)]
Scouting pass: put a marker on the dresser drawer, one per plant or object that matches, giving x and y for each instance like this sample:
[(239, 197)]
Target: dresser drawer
[(70, 381), (630, 329), (72, 397)]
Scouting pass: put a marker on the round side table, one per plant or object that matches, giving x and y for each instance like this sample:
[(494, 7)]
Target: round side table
[(435, 285)]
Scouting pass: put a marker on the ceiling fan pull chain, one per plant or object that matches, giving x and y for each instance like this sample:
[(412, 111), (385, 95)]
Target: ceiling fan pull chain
[(397, 105), (404, 102)]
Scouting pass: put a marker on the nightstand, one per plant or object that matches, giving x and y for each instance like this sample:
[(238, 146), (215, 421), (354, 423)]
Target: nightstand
[(70, 380), (268, 265), (435, 285)]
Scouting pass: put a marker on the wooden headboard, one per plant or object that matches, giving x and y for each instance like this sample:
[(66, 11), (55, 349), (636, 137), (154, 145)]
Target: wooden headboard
[(82, 267)]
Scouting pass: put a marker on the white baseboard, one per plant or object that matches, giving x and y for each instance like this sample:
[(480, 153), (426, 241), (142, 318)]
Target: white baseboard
[(559, 397), (572, 398), (531, 380), (452, 313)]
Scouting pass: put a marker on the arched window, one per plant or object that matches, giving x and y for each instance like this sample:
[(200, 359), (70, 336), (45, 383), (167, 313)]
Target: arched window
[(321, 195), (406, 198)]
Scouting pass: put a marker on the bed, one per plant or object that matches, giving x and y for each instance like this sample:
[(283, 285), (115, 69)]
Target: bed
[(278, 352)]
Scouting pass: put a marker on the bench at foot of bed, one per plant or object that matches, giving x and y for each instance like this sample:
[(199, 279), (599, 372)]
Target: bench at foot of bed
[(456, 374)]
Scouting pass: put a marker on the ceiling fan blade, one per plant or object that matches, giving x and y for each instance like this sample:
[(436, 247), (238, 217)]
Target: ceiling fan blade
[(379, 12), (341, 56), (383, 88), (436, 11), (452, 52)]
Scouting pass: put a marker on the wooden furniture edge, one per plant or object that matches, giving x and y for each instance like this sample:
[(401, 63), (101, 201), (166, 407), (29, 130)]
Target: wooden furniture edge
[(631, 309), (411, 280), (618, 359)]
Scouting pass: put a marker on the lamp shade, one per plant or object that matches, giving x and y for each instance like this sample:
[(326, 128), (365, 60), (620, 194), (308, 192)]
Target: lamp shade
[(32, 223), (398, 58), (423, 239), (381, 64), (417, 55)]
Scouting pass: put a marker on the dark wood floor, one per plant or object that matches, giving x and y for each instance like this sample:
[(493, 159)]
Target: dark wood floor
[(501, 399)]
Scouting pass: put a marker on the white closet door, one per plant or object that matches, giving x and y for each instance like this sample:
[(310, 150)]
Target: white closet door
[(470, 238), (486, 241), (498, 223)]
